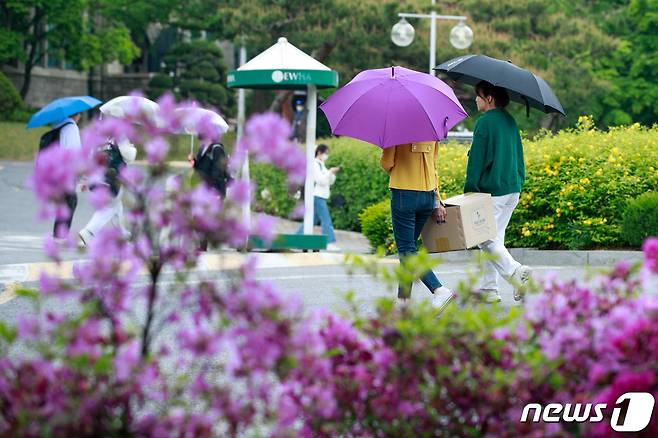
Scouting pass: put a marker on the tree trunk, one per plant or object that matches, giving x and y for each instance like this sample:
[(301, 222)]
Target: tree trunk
[(30, 61), (27, 70)]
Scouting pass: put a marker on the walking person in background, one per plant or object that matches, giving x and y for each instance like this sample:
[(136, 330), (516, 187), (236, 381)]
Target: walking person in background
[(117, 156), (496, 166), (323, 180), (211, 164), (414, 198), (69, 138)]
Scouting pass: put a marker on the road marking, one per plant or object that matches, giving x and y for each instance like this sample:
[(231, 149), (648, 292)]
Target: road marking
[(9, 293)]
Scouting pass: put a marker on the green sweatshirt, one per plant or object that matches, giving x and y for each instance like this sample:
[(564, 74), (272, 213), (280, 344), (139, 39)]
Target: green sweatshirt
[(495, 161)]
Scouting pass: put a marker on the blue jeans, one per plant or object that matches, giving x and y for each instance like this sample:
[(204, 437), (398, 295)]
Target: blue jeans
[(410, 209), (322, 217)]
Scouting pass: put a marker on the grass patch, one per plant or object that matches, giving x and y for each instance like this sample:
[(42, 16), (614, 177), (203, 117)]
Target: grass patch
[(18, 143)]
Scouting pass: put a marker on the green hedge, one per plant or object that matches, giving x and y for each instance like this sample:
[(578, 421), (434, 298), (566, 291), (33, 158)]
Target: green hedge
[(377, 226), (641, 219), (11, 103)]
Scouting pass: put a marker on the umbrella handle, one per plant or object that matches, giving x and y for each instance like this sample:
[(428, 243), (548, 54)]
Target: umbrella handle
[(191, 144), (527, 106)]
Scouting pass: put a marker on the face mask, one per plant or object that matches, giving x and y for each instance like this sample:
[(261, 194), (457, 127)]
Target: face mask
[(324, 157)]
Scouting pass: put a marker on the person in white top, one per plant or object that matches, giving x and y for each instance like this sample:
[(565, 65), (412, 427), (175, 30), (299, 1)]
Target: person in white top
[(69, 138), (113, 212), (324, 179)]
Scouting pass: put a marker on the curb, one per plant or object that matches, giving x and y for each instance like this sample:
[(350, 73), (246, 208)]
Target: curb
[(530, 257), (30, 272)]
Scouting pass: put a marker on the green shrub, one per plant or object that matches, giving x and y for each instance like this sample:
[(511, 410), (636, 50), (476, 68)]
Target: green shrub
[(361, 181), (377, 226), (10, 100), (272, 193), (641, 219), (578, 183)]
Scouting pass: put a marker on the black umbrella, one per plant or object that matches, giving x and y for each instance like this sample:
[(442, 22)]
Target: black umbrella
[(523, 86)]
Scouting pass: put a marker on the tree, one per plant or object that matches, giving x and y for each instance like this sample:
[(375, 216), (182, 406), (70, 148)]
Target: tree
[(141, 17), (72, 29), (194, 70)]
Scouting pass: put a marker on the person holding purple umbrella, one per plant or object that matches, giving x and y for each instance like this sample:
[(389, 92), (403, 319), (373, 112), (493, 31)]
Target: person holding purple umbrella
[(496, 166), (414, 198), (405, 113)]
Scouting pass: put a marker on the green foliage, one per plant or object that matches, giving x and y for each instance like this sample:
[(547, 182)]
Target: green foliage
[(272, 193), (17, 142), (10, 100), (377, 226), (361, 181), (83, 39), (195, 70), (578, 183), (641, 219)]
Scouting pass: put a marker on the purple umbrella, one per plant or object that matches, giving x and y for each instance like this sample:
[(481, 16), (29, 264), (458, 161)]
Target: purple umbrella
[(391, 106)]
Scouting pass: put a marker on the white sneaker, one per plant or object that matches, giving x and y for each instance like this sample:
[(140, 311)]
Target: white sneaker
[(442, 297), (488, 295), (520, 280), (84, 238), (332, 247)]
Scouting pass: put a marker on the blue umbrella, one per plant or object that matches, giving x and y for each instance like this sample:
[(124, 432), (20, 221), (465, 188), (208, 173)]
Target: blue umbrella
[(60, 109)]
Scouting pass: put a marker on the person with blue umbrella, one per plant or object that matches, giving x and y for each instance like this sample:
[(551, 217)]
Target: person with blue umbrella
[(64, 115)]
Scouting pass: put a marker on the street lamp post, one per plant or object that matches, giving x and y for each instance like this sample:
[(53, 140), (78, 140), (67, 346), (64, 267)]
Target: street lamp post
[(461, 36)]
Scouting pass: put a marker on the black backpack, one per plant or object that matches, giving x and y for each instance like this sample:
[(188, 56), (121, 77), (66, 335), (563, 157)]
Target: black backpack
[(212, 166), (50, 137), (115, 162)]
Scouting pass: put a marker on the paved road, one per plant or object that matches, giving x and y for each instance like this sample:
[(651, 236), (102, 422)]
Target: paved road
[(320, 279)]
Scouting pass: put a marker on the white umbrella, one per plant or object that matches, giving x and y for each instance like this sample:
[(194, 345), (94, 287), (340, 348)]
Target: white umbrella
[(192, 115), (127, 106)]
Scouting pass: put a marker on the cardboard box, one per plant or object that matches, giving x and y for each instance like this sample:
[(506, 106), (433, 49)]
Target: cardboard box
[(469, 222)]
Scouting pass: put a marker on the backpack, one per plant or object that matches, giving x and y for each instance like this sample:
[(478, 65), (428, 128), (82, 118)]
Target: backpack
[(212, 166), (50, 137), (115, 162)]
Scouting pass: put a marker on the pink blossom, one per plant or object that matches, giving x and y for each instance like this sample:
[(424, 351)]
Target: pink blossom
[(650, 248), (156, 150), (100, 197), (126, 359)]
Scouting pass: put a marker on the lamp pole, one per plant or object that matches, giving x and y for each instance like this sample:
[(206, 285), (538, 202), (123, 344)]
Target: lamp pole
[(461, 36)]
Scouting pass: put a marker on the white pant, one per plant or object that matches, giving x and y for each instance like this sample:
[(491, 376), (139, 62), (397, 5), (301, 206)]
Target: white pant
[(112, 211), (504, 264)]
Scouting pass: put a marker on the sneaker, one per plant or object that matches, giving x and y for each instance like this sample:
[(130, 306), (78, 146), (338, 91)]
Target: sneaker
[(488, 295), (332, 247), (84, 237), (520, 280), (442, 297)]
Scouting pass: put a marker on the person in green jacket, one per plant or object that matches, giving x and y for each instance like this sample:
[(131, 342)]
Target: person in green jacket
[(496, 166)]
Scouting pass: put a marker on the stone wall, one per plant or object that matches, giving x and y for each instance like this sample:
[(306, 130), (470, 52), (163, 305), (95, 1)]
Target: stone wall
[(48, 84)]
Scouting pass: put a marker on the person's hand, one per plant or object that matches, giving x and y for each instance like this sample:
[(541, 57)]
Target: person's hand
[(83, 187), (190, 159), (334, 169), (439, 214)]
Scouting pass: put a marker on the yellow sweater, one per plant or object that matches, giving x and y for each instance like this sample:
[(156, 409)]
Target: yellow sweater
[(412, 166)]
